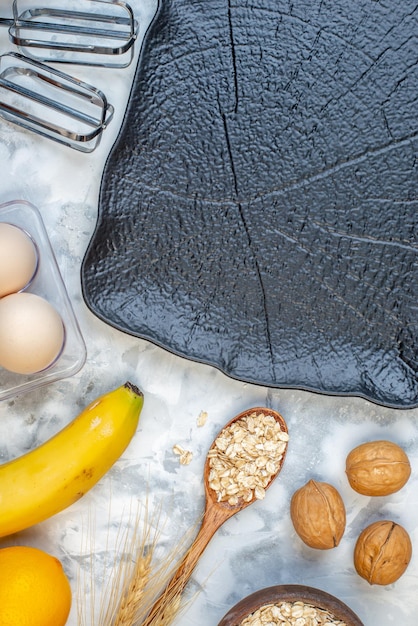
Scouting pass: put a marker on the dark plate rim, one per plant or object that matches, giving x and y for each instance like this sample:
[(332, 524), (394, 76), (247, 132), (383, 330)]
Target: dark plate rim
[(246, 380)]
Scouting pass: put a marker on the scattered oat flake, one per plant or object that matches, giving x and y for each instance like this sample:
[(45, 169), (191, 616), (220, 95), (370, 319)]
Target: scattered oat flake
[(201, 420), (185, 455)]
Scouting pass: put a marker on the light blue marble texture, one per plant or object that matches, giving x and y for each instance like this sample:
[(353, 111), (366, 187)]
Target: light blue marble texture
[(258, 547)]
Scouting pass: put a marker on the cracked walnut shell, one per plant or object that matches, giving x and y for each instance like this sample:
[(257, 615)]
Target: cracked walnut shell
[(382, 552), (318, 515), (377, 468)]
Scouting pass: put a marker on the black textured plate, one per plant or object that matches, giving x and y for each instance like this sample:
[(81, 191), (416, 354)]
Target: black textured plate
[(258, 211)]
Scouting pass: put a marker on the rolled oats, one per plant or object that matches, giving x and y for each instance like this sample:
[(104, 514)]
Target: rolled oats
[(185, 455), (245, 457), (202, 417), (291, 614)]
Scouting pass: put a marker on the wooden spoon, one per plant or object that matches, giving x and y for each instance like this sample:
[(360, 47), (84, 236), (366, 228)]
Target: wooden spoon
[(216, 513)]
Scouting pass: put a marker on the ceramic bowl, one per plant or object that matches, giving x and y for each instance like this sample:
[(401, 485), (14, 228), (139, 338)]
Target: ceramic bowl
[(290, 593)]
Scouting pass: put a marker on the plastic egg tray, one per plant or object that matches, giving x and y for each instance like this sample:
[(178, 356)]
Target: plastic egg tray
[(47, 283)]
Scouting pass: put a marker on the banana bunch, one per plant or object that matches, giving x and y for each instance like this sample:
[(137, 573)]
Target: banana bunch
[(49, 478)]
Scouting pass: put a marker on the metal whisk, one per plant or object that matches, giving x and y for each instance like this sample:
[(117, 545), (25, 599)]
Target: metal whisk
[(51, 103), (99, 33)]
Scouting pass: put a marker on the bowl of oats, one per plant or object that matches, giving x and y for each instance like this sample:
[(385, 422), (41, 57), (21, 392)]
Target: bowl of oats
[(290, 605)]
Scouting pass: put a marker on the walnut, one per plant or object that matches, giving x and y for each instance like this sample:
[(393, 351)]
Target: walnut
[(318, 515), (377, 468), (382, 552)]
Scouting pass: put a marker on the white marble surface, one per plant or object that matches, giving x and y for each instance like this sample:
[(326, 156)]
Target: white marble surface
[(257, 548)]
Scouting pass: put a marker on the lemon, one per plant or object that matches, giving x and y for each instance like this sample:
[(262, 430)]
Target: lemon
[(34, 589)]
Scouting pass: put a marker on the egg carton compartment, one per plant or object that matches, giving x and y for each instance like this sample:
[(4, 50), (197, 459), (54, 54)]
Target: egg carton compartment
[(48, 284)]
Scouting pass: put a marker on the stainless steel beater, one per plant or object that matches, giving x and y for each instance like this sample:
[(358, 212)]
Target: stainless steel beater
[(99, 32)]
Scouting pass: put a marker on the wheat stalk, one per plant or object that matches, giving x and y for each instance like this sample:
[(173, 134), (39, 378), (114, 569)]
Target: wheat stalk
[(131, 602), (169, 607), (137, 578)]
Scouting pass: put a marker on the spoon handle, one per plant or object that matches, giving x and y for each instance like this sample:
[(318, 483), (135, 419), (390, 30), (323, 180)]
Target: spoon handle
[(212, 520)]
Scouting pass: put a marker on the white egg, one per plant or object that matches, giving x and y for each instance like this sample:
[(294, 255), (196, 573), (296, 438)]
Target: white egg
[(18, 259), (32, 333)]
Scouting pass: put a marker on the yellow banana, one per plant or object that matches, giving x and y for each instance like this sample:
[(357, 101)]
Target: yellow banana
[(46, 480)]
